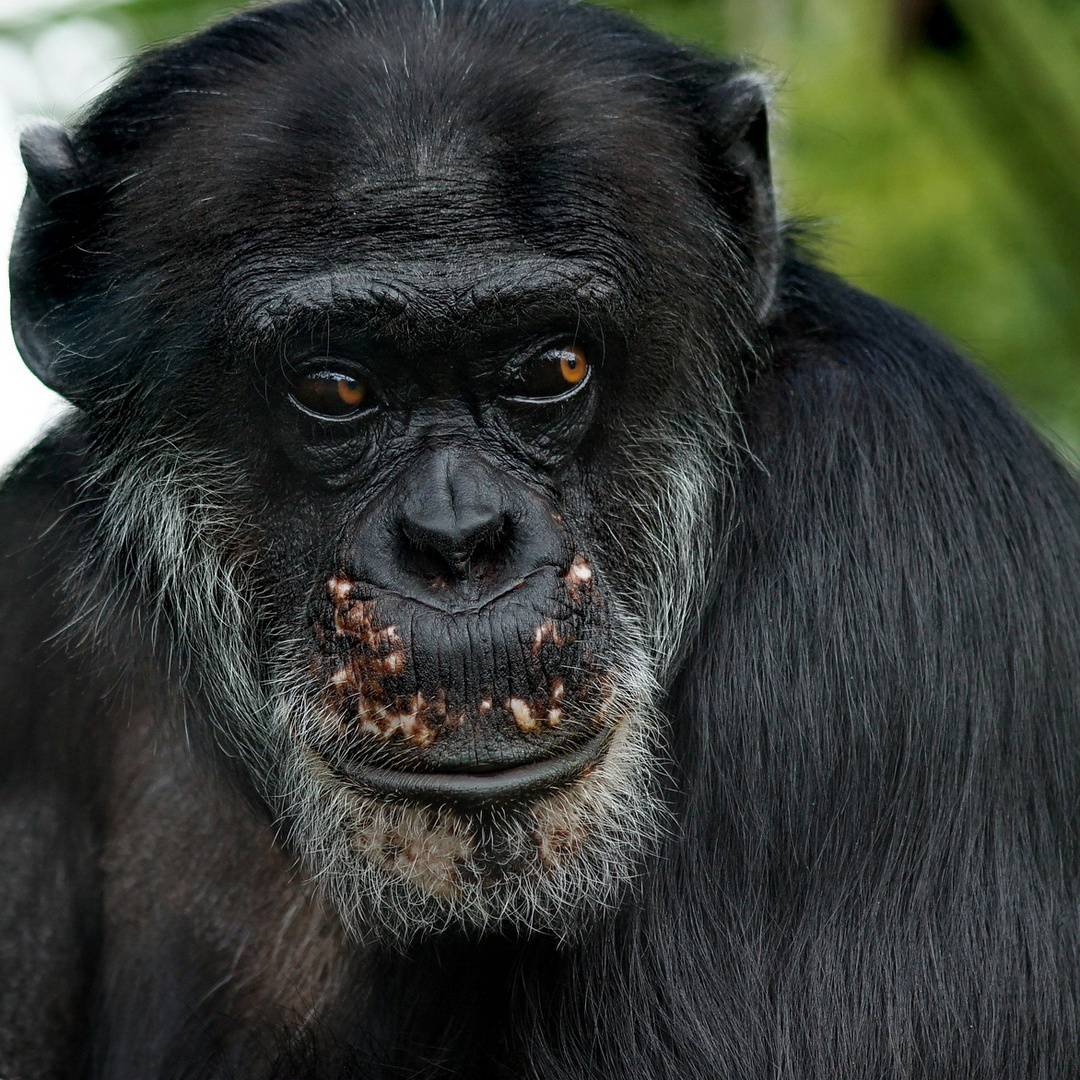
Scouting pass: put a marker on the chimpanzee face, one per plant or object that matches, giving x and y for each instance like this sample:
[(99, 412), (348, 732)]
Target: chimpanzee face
[(461, 634), (470, 688), (414, 366), (458, 656)]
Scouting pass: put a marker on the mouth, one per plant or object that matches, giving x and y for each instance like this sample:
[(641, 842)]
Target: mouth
[(469, 790)]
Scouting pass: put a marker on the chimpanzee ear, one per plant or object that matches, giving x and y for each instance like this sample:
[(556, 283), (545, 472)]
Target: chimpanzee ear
[(52, 166), (735, 157), (43, 255)]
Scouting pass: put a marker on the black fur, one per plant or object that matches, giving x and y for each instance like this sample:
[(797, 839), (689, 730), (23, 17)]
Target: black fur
[(870, 751)]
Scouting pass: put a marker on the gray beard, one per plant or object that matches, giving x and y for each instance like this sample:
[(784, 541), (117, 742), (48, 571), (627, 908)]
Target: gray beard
[(396, 869)]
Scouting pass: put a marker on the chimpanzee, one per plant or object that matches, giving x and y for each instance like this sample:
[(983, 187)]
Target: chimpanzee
[(496, 610)]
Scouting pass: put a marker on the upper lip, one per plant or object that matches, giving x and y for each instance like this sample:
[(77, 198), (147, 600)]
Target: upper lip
[(476, 789), (432, 600)]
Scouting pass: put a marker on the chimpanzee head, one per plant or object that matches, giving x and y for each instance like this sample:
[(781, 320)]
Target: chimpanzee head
[(406, 338)]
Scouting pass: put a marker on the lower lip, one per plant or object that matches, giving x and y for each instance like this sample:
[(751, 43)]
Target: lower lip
[(470, 790)]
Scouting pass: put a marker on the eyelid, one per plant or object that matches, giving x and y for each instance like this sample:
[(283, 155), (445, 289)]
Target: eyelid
[(534, 356), (330, 371), (524, 399), (325, 365)]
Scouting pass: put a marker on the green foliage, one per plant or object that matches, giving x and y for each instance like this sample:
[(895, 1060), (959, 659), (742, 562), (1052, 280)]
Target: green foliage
[(941, 175)]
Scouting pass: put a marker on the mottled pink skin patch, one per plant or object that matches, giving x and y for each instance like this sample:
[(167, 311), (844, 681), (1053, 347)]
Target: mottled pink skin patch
[(376, 651), (579, 577), (340, 588), (370, 650), (522, 713), (530, 717), (561, 829), (394, 663), (546, 631), (580, 570), (413, 726), (412, 846), (357, 619)]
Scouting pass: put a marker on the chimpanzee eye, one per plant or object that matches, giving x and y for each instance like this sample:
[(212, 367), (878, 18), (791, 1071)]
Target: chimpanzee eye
[(552, 374), (331, 394)]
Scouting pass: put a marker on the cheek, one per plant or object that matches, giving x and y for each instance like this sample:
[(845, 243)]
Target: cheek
[(306, 456), (548, 437)]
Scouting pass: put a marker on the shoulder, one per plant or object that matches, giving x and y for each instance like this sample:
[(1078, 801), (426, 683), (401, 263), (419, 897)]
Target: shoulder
[(42, 488), (848, 364), (867, 424), (39, 536)]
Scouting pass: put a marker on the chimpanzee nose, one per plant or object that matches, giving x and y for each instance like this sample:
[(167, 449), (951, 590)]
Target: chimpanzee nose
[(455, 531), (455, 522)]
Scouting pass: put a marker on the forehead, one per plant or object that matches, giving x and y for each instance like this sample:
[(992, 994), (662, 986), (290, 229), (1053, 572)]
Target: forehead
[(427, 139)]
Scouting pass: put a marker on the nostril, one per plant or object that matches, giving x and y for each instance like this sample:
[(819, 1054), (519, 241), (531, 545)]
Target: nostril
[(422, 559), (470, 550), (488, 552)]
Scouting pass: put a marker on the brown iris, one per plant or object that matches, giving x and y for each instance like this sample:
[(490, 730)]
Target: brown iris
[(551, 374), (329, 393), (573, 366)]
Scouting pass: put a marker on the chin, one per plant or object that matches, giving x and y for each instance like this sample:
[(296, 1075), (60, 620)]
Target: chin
[(542, 847)]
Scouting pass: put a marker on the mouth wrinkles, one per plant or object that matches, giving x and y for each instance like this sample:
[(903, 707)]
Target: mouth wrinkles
[(448, 609), (478, 788)]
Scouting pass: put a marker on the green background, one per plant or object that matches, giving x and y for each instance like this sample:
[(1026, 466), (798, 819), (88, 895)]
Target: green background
[(932, 149)]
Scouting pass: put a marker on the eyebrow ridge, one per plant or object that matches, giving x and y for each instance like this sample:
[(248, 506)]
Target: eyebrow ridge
[(374, 299)]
